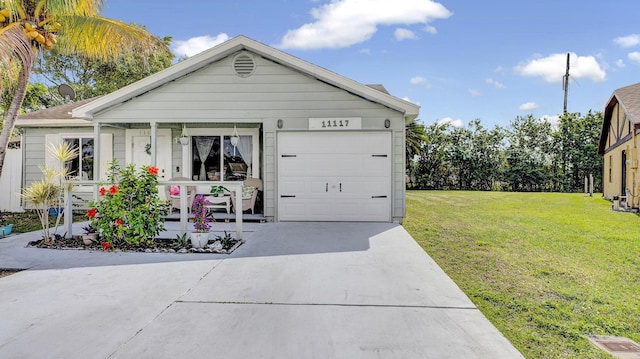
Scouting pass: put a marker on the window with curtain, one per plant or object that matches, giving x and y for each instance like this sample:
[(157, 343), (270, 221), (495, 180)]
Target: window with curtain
[(215, 158), (81, 167)]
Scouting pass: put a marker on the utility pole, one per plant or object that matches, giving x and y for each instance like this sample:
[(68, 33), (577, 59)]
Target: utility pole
[(565, 85)]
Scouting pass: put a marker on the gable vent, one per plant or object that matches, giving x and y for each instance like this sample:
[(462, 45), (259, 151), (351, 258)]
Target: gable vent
[(244, 65)]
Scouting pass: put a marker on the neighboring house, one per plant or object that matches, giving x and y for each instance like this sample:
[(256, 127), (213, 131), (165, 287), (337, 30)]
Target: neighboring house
[(327, 148), (619, 143)]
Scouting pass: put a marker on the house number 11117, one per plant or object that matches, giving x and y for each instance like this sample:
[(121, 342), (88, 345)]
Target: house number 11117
[(335, 123)]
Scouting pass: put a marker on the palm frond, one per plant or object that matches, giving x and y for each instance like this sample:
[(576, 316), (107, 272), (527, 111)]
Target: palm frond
[(15, 51), (104, 39)]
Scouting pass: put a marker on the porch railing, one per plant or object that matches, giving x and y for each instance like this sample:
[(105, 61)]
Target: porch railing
[(184, 219)]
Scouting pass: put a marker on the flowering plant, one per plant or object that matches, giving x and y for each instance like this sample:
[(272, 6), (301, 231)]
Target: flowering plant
[(130, 211), (200, 218)]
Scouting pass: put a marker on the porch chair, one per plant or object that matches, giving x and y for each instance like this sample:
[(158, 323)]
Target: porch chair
[(173, 193), (250, 188)]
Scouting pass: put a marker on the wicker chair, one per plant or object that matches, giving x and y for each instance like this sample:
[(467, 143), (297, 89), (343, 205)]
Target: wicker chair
[(248, 203), (175, 199)]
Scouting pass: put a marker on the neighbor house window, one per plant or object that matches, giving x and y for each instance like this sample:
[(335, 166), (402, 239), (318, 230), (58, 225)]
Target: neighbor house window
[(610, 164), (81, 167), (216, 158)]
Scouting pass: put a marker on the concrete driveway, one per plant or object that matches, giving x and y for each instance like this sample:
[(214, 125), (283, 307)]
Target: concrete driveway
[(293, 290)]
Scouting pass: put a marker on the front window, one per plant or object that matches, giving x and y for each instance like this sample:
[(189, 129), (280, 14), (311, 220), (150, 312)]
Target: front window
[(216, 158), (81, 167)]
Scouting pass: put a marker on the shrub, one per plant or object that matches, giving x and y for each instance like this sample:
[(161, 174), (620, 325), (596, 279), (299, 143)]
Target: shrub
[(130, 210)]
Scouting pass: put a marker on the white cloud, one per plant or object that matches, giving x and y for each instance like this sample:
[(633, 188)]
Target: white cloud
[(365, 51), (342, 23), (634, 56), (627, 41), (196, 45), (430, 29), (620, 63), (474, 93), (529, 106), (417, 80), (495, 83), (552, 68), (452, 122), (553, 120), (405, 34), (499, 69)]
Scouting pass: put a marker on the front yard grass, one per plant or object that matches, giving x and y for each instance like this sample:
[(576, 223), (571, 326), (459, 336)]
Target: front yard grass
[(544, 268)]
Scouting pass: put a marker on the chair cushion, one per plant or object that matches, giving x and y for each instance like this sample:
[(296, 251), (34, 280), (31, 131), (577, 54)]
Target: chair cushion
[(174, 190), (247, 191)]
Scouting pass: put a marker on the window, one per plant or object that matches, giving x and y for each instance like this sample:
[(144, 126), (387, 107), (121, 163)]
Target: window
[(81, 167), (216, 158), (610, 164)]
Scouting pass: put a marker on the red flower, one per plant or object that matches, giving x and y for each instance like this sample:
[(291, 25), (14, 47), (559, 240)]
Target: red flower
[(106, 245), (118, 222), (153, 170), (113, 189), (91, 213), (103, 191)]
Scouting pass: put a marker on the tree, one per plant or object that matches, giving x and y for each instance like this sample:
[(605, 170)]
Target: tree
[(432, 169), (90, 77), (528, 155), (414, 136), (71, 26)]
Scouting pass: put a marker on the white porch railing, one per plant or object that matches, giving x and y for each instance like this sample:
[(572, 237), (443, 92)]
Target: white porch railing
[(184, 219)]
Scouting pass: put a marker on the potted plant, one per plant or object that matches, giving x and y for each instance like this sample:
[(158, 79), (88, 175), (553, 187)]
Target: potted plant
[(5, 228), (90, 234), (218, 190), (200, 237)]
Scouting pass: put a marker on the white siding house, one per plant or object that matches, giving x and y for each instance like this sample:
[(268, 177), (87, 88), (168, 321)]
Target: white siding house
[(327, 148)]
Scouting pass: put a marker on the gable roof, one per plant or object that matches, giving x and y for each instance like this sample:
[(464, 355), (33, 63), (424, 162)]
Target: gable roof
[(230, 47), (629, 100), (60, 115)]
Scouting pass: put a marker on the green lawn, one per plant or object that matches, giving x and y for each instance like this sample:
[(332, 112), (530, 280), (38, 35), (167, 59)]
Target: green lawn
[(545, 268)]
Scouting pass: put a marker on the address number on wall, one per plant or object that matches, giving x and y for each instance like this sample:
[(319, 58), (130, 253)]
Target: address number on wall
[(343, 123)]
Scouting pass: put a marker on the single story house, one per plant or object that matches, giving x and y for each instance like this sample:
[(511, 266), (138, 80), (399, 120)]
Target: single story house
[(326, 147), (619, 145)]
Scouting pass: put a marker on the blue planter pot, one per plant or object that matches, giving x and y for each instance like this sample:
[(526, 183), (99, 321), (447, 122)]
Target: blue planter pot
[(6, 230), (53, 212)]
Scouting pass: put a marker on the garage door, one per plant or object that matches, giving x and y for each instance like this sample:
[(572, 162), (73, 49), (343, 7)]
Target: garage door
[(334, 176)]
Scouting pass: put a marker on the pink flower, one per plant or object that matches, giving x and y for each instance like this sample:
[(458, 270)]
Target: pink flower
[(103, 191), (113, 189)]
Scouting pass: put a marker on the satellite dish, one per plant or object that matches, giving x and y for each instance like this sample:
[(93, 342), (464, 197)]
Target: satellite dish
[(66, 92)]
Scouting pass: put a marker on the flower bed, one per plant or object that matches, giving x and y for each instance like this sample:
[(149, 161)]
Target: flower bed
[(160, 245)]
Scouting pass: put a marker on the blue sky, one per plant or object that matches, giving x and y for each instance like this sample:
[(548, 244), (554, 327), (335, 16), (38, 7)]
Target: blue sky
[(459, 59)]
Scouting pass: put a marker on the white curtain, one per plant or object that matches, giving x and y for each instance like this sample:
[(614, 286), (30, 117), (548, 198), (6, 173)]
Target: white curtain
[(203, 144), (245, 147)]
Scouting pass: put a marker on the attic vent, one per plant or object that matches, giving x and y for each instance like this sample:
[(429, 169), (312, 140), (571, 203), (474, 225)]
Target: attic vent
[(244, 65)]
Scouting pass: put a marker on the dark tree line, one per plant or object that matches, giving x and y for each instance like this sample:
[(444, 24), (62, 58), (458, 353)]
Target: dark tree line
[(529, 155)]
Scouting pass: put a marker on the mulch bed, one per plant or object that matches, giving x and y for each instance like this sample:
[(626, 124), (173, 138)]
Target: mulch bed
[(158, 246)]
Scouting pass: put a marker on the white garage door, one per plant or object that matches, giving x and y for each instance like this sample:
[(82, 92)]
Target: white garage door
[(334, 176)]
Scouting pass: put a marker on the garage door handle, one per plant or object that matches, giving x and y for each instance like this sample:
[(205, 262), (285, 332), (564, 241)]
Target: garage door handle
[(326, 187), (378, 196), (288, 196), (289, 155), (378, 155)]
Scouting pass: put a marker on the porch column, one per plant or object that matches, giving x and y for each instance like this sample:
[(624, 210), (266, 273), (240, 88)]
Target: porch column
[(154, 143), (96, 158)]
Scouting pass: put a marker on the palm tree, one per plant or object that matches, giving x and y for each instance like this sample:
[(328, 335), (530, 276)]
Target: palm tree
[(415, 135), (28, 27)]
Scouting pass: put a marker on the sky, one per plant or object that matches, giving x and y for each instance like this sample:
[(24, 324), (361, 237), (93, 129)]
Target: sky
[(459, 60)]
